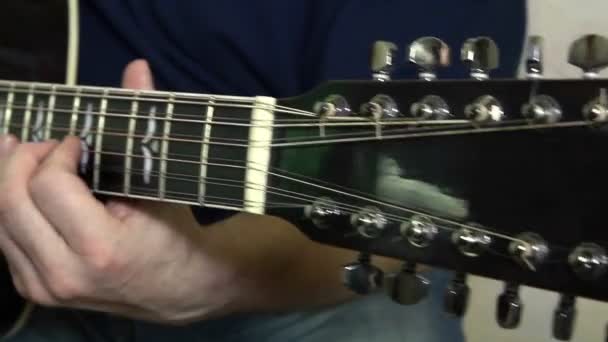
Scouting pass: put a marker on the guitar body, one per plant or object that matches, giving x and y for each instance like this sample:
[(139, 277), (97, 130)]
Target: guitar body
[(33, 47)]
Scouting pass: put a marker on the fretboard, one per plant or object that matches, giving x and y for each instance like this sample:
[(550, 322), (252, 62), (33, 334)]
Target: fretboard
[(185, 148)]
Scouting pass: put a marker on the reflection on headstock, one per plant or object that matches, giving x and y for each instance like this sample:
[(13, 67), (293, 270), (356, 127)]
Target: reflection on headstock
[(499, 178)]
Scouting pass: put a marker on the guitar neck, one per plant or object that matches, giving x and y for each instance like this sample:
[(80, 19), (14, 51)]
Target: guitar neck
[(185, 148)]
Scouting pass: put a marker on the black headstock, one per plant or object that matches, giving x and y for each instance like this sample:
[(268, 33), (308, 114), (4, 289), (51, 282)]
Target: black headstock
[(501, 178)]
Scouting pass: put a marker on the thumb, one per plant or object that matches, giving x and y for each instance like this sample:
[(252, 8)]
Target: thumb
[(137, 75)]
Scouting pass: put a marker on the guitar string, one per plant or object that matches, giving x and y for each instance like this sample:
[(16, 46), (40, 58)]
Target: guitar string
[(174, 98), (245, 143), (344, 137), (335, 191), (273, 204), (227, 121)]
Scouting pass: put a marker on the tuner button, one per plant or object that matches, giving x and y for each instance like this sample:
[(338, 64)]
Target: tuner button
[(509, 307), (597, 110), (470, 242), (381, 106), (362, 277), (529, 250), (419, 231), (333, 105), (485, 108), (589, 53), (321, 212), (534, 57), (382, 60), (456, 297), (407, 287), (429, 53), (431, 107), (481, 56), (588, 261), (563, 318), (370, 222), (542, 109)]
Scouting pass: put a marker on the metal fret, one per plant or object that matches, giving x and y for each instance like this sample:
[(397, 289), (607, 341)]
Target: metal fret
[(8, 111), (99, 139), (75, 109), (27, 116), (205, 151), (129, 145), (50, 113), (258, 154), (164, 149)]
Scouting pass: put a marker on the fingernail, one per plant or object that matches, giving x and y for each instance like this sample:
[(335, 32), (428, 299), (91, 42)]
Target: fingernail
[(7, 144)]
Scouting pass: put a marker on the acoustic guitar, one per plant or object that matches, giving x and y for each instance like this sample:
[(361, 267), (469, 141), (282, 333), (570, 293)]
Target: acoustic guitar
[(501, 178)]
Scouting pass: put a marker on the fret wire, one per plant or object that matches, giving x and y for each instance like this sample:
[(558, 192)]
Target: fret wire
[(226, 99), (164, 149), (129, 145), (205, 149), (99, 142), (75, 111), (8, 111), (27, 116), (50, 113)]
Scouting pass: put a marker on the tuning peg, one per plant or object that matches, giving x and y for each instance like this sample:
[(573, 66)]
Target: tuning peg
[(362, 277), (456, 298), (589, 261), (407, 287), (534, 57), (509, 307), (382, 60), (563, 318), (589, 53), (481, 56), (429, 53)]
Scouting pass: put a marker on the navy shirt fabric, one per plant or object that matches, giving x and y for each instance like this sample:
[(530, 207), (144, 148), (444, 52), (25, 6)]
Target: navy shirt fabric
[(279, 48), (283, 48)]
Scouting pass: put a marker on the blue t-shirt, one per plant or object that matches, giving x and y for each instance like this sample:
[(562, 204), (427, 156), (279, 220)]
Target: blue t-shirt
[(282, 48)]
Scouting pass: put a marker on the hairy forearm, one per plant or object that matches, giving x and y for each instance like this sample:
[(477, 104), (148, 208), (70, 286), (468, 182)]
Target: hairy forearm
[(276, 268)]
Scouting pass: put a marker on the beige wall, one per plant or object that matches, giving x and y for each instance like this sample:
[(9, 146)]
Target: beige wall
[(559, 21)]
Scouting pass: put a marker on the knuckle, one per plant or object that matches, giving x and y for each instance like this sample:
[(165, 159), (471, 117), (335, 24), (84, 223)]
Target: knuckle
[(64, 288), (35, 293), (101, 258)]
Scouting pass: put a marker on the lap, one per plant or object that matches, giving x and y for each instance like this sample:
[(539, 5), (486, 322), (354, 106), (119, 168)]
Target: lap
[(371, 318)]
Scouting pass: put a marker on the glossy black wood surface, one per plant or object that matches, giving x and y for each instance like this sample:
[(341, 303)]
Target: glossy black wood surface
[(550, 181)]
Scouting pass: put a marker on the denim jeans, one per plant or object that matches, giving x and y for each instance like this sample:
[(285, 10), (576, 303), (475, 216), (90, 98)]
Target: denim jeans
[(370, 318)]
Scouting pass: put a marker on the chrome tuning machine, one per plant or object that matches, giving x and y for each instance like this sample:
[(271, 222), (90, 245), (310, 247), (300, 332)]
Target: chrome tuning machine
[(509, 307), (542, 109), (322, 212), (429, 53), (431, 107), (456, 299), (485, 109), (534, 57), (362, 277), (597, 110), (407, 287), (564, 317), (529, 250), (382, 60), (590, 54), (470, 241), (332, 106), (481, 56), (369, 222)]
